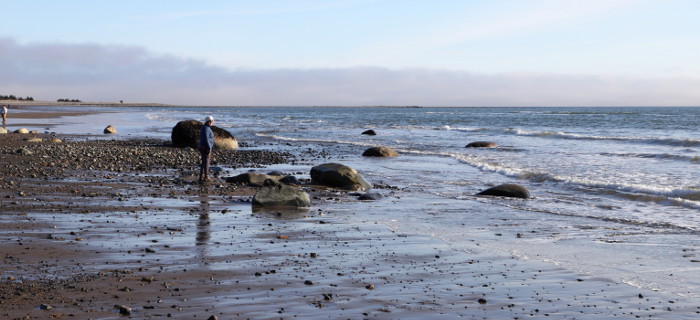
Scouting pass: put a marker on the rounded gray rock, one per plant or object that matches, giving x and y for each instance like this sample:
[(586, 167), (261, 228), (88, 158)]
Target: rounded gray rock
[(380, 152), (482, 144), (507, 190)]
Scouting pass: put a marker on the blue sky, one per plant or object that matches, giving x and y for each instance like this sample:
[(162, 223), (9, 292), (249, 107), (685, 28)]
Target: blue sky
[(354, 52)]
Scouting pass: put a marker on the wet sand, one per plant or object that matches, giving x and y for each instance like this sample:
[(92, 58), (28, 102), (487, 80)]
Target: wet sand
[(89, 226)]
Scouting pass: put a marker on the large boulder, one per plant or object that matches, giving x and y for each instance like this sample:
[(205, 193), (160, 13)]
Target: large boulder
[(482, 144), (507, 190), (110, 130), (3, 130), (281, 195), (380, 152), (22, 131), (186, 134), (339, 176)]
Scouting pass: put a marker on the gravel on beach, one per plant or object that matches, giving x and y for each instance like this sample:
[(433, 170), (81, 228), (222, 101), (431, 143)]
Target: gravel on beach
[(121, 228)]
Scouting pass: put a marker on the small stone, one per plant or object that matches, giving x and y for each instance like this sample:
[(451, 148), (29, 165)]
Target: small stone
[(45, 307), (309, 283), (369, 287), (213, 318), (370, 132), (482, 144), (482, 301)]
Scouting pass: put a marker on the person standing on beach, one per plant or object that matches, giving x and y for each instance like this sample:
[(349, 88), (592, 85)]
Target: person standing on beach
[(4, 115), (206, 143)]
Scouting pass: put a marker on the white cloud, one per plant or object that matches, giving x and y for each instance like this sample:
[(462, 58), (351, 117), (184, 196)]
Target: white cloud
[(495, 20), (93, 72)]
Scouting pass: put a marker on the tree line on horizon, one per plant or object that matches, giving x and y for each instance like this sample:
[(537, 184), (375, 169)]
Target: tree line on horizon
[(13, 97), (28, 98)]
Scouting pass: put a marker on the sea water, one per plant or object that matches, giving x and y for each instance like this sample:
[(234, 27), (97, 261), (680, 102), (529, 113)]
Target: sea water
[(616, 191)]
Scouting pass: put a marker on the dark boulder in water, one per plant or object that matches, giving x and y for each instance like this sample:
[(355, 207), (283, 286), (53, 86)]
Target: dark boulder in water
[(380, 152), (186, 134), (370, 133), (507, 190), (482, 144)]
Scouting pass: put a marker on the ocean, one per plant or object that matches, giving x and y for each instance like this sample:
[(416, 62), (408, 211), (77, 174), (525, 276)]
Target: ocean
[(616, 190)]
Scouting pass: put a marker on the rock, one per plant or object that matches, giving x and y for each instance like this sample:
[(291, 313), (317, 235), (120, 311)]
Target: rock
[(370, 132), (281, 195), (56, 140), (22, 131), (380, 152), (339, 176), (24, 151), (186, 134), (507, 190), (481, 144), (213, 317), (370, 196), (34, 140), (34, 132), (44, 306), (290, 180), (123, 310), (253, 179), (3, 130), (110, 130)]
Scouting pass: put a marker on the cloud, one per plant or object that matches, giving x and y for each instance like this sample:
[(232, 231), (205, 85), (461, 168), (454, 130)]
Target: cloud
[(93, 72)]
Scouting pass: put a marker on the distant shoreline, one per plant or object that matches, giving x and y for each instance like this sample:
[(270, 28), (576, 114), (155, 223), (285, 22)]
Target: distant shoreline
[(152, 104), (25, 103)]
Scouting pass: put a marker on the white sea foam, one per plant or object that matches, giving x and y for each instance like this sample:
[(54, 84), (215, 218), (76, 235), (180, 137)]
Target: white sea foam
[(575, 136), (461, 129), (282, 138), (660, 156)]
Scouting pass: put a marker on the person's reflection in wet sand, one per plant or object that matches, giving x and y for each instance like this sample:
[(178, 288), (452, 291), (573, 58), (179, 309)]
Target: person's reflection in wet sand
[(203, 227)]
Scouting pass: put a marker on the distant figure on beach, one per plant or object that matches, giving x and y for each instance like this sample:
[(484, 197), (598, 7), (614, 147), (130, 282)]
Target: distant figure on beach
[(206, 143), (4, 115)]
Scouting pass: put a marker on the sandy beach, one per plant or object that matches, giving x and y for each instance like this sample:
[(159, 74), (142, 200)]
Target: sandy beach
[(113, 229)]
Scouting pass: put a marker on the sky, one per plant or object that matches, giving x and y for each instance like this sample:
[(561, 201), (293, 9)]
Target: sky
[(354, 52)]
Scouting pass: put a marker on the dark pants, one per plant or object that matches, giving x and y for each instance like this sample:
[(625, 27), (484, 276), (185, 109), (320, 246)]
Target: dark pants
[(204, 167)]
